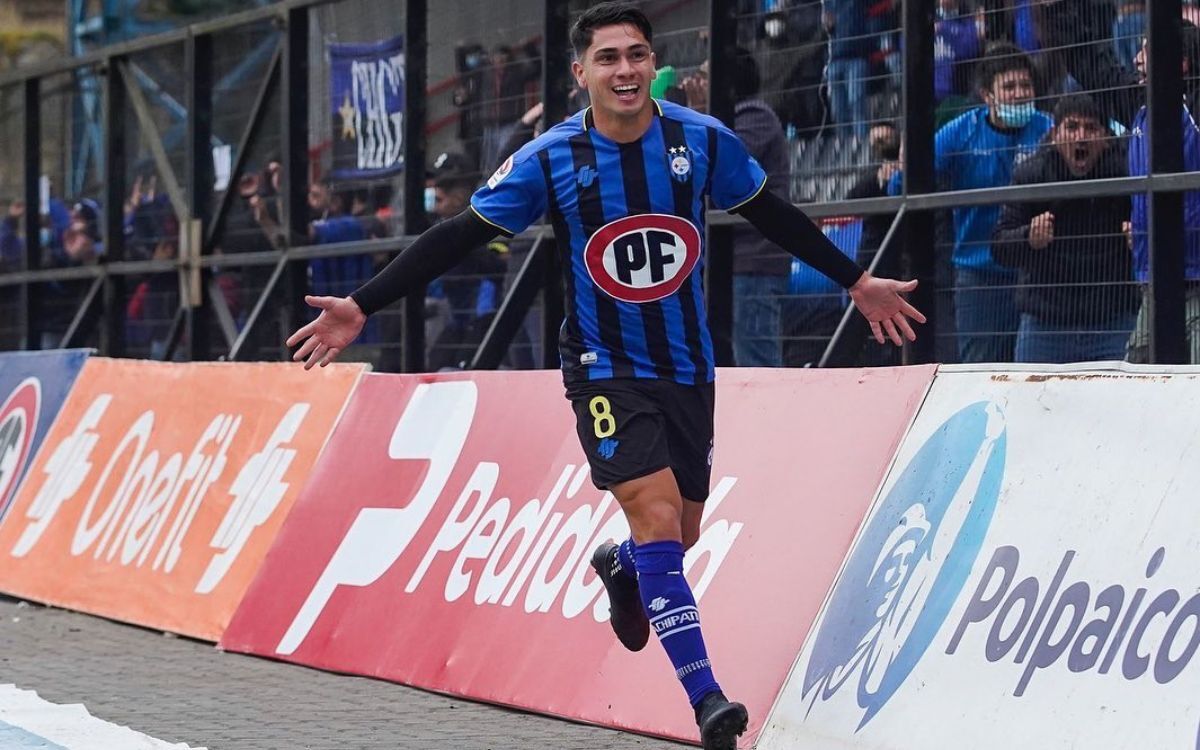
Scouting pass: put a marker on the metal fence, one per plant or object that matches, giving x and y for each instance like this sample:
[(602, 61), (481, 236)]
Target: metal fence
[(180, 181)]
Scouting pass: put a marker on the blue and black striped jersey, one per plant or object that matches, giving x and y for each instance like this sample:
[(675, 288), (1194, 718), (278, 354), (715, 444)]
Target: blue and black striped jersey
[(628, 219)]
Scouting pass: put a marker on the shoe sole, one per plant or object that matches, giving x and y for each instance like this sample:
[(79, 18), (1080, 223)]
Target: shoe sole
[(723, 728), (631, 642)]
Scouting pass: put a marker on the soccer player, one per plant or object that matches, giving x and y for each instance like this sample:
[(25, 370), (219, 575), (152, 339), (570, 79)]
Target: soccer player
[(624, 183)]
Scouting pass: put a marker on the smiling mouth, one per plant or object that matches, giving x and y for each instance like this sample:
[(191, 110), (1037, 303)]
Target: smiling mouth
[(627, 92)]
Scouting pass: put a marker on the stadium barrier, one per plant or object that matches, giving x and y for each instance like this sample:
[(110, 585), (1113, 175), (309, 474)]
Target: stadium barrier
[(1024, 572), (33, 386), (1027, 577), (444, 537), (160, 487)]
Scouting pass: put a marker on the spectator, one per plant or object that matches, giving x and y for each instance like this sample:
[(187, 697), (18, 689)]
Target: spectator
[(1076, 298), (851, 45), (1129, 26), (958, 38), (149, 311), (872, 182), (473, 289), (337, 224), (12, 246), (760, 268), (979, 149), (792, 37), (1139, 163)]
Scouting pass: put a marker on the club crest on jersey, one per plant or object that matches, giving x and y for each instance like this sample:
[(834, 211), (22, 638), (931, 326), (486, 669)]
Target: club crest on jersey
[(504, 171), (642, 258), (680, 159)]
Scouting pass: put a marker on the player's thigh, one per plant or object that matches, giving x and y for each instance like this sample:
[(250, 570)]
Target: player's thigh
[(688, 415), (620, 429)]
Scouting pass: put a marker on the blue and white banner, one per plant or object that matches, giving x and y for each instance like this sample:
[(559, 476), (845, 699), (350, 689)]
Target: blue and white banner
[(33, 386), (366, 83), (1027, 576)]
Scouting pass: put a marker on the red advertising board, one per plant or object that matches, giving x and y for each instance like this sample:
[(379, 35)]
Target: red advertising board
[(161, 485), (443, 541)]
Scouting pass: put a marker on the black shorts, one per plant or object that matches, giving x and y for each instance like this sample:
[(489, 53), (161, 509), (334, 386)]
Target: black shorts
[(630, 428)]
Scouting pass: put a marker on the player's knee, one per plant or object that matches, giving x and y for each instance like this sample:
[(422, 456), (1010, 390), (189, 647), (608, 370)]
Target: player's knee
[(690, 536), (656, 522)]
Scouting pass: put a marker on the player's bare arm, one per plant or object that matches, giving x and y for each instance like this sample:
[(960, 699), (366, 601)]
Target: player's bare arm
[(880, 301), (342, 318)]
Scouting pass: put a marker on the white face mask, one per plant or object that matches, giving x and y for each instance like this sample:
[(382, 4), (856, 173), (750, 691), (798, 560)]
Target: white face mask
[(430, 199), (1015, 115)]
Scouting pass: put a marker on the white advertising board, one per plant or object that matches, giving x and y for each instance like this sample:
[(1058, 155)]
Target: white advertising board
[(1029, 576)]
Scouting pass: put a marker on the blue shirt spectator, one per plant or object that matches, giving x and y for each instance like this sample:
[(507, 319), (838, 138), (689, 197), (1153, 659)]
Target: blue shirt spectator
[(1139, 166), (957, 39)]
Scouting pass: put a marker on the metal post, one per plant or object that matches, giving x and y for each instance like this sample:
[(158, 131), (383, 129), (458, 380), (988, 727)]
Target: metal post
[(112, 334), (1168, 343), (294, 149), (557, 83), (198, 54), (919, 177), (30, 311), (415, 29), (722, 52)]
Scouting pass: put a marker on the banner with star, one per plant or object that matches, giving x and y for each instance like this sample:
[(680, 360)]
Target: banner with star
[(366, 83)]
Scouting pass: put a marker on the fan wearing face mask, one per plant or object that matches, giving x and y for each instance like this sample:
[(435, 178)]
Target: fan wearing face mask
[(979, 149)]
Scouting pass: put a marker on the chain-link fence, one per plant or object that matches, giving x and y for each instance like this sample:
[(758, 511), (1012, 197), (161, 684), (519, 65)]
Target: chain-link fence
[(1024, 92)]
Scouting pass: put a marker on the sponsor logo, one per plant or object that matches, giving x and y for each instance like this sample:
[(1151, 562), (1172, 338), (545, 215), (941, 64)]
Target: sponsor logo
[(607, 448), (1135, 630), (910, 563), (684, 618), (586, 176), (498, 176), (588, 358), (681, 163), (144, 502), (535, 555), (643, 258), (18, 424), (659, 604)]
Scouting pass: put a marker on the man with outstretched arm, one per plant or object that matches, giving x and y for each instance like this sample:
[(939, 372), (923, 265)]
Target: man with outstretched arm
[(624, 184)]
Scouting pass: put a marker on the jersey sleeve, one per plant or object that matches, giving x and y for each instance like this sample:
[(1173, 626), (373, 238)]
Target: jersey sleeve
[(736, 176), (514, 197)]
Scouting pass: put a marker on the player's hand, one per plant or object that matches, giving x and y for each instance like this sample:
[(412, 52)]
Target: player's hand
[(1041, 231), (881, 303), (340, 322)]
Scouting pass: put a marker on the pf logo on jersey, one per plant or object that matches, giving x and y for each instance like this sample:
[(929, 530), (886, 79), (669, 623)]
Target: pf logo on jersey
[(643, 258), (18, 422)]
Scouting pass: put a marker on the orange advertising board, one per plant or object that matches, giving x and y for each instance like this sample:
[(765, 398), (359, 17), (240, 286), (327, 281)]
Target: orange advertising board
[(160, 487)]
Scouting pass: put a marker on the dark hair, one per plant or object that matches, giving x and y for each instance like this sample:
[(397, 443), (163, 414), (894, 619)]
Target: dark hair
[(1001, 58), (1078, 105), (607, 14), (747, 80), (451, 182), (1190, 39)]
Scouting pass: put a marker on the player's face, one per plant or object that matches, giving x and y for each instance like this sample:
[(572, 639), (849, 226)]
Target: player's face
[(616, 70)]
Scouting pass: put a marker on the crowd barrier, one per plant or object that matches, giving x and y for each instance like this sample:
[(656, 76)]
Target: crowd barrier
[(443, 541), (954, 557), (160, 487), (1026, 579), (33, 386)]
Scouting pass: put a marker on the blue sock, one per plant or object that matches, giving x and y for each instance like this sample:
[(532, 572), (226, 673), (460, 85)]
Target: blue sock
[(672, 611), (626, 552)]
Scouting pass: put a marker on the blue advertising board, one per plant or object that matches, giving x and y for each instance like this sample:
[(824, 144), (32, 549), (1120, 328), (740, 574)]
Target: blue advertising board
[(33, 386)]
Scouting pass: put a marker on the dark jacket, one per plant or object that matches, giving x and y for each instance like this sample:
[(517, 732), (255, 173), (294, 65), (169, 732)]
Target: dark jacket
[(1085, 275), (759, 128)]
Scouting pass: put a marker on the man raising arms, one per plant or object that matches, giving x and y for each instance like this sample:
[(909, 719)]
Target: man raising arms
[(624, 183)]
